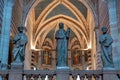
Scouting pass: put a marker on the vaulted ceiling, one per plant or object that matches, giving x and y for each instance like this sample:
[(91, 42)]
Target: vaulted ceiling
[(75, 14)]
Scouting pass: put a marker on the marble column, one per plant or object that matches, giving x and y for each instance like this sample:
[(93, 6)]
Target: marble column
[(98, 47), (5, 35), (113, 21)]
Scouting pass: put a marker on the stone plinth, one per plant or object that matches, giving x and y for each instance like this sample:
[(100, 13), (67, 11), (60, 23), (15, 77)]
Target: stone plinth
[(109, 75), (17, 66), (62, 73), (16, 71)]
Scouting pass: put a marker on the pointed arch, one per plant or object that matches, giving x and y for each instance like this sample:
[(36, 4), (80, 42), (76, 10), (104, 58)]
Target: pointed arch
[(76, 24)]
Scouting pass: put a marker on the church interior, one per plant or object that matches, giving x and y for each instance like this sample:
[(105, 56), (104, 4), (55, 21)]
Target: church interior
[(85, 18), (42, 22)]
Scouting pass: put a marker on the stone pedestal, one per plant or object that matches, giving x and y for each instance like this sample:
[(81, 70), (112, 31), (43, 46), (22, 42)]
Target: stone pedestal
[(109, 75), (62, 73), (17, 66), (16, 71)]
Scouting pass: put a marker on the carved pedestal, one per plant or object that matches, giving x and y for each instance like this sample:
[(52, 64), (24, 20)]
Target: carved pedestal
[(16, 71), (62, 73)]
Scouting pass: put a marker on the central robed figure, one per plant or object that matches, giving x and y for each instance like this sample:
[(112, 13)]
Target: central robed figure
[(62, 37)]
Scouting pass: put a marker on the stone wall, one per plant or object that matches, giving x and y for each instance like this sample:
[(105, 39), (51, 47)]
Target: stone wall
[(119, 15), (16, 16), (103, 13)]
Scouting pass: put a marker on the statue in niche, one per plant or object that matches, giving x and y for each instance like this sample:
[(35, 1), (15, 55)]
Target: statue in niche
[(62, 37), (106, 46), (19, 41), (47, 58), (76, 58)]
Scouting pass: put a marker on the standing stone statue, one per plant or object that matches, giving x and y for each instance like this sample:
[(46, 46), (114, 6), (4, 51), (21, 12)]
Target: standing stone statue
[(62, 37), (106, 46), (19, 41)]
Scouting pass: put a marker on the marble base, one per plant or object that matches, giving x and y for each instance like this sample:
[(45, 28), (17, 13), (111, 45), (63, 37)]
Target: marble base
[(108, 68), (62, 73), (110, 77), (17, 66), (16, 71), (63, 67)]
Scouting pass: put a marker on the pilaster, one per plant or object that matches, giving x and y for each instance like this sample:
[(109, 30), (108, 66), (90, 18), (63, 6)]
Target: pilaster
[(113, 21), (5, 35)]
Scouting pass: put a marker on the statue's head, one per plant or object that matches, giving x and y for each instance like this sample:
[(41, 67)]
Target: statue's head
[(104, 29), (61, 25), (21, 28)]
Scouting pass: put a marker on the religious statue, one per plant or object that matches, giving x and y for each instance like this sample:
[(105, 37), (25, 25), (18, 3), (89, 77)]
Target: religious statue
[(47, 58), (62, 37), (106, 46), (76, 58), (19, 41)]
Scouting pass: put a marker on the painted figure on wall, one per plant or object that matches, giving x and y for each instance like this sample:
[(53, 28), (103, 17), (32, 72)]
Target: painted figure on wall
[(76, 58), (62, 37), (106, 46), (19, 41), (47, 59)]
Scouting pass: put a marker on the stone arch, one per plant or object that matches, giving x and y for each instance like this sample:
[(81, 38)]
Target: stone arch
[(33, 3), (54, 19), (85, 2)]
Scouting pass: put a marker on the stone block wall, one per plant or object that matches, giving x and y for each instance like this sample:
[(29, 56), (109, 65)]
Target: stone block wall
[(119, 15), (103, 13), (16, 16)]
